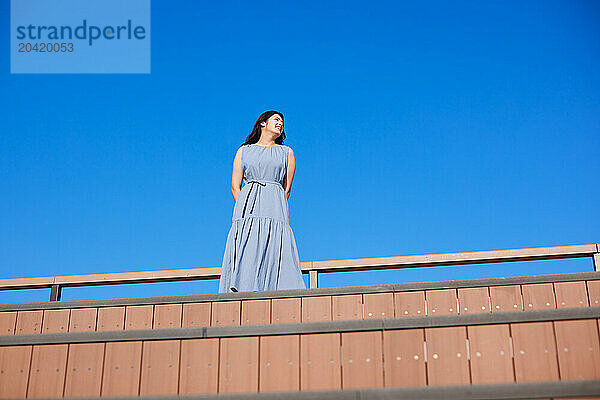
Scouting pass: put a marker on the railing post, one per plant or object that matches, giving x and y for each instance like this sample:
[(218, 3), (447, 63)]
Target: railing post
[(597, 262), (313, 279), (55, 293)]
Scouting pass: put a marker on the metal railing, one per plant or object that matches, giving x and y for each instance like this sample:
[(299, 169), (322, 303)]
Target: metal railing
[(314, 268)]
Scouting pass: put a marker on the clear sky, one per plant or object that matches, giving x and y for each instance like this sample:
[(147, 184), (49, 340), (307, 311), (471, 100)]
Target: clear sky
[(418, 128)]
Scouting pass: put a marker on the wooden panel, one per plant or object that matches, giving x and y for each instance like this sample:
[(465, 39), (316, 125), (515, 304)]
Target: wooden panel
[(199, 366), (404, 359), (84, 370), (316, 309), (8, 321), (238, 365), (347, 307), (47, 374), (379, 305), (160, 367), (256, 312), (285, 311), (167, 316), (447, 362), (121, 375), (571, 294), (225, 313), (362, 359), (534, 352), (538, 296), (441, 302), (320, 361), (409, 304), (111, 319), (83, 320), (56, 321), (473, 300), (491, 361), (14, 367), (506, 298), (138, 317), (577, 346), (196, 314), (279, 363), (29, 322), (594, 293)]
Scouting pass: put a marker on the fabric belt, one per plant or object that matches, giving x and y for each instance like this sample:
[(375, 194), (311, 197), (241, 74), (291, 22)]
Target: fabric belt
[(263, 182)]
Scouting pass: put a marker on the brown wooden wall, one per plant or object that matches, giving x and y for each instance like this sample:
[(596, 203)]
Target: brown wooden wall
[(307, 309), (478, 354)]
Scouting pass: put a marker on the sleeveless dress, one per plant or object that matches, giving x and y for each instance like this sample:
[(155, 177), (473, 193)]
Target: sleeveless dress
[(260, 253)]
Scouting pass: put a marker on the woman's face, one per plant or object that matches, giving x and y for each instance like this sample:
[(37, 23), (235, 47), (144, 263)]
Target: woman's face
[(274, 125)]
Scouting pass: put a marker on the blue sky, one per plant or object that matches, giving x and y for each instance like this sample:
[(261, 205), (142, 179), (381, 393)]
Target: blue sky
[(417, 128)]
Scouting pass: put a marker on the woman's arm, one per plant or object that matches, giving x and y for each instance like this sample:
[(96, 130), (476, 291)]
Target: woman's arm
[(237, 175), (291, 169)]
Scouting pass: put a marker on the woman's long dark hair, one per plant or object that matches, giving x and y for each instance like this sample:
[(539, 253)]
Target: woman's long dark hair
[(254, 136)]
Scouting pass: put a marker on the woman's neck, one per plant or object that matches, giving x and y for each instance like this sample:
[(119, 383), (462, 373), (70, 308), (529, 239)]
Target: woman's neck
[(266, 143)]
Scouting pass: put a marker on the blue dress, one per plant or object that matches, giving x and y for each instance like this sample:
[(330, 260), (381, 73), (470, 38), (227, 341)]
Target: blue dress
[(260, 253)]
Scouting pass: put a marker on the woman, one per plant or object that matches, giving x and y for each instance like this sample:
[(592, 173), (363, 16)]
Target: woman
[(260, 253)]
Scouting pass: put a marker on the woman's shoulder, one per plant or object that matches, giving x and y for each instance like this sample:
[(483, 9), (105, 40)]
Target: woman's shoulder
[(287, 149)]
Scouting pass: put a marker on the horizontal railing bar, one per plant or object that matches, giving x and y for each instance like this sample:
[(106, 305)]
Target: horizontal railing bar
[(26, 283), (277, 294), (360, 264), (451, 259), (116, 278), (303, 327)]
